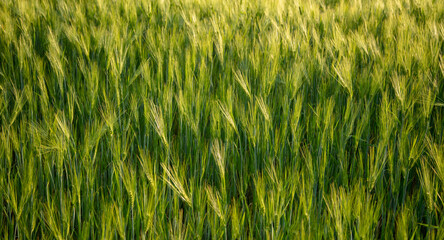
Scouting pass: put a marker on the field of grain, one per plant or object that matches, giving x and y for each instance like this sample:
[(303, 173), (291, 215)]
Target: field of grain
[(214, 119)]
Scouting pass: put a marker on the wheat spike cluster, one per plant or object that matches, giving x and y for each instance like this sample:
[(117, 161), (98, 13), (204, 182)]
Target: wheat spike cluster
[(214, 119)]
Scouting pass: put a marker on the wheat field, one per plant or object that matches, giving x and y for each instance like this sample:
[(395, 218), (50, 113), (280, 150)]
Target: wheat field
[(214, 119)]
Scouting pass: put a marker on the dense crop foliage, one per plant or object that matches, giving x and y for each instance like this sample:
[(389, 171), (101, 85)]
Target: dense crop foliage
[(212, 119)]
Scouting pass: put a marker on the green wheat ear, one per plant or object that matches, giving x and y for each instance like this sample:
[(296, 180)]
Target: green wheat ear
[(218, 151), (214, 199), (157, 121), (176, 183), (227, 115)]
